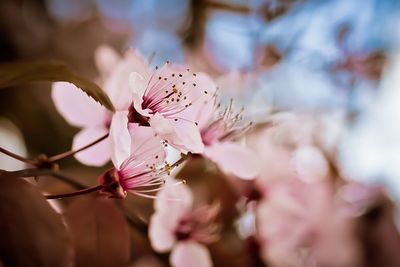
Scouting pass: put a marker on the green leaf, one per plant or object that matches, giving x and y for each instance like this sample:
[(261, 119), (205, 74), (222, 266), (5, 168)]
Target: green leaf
[(12, 74), (32, 233)]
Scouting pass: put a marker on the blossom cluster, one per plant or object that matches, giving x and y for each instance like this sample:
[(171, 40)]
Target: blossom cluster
[(159, 110), (299, 205)]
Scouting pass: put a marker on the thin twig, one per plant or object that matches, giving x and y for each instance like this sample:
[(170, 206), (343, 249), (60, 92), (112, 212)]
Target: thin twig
[(76, 193), (73, 152), (46, 162), (31, 172), (34, 172), (15, 156), (227, 7)]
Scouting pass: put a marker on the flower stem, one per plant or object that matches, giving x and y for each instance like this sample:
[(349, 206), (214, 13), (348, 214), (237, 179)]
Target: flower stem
[(76, 193), (46, 162), (73, 152), (42, 172), (30, 172), (33, 172), (15, 156)]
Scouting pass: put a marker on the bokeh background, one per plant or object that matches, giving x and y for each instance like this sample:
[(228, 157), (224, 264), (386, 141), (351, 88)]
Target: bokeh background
[(335, 56)]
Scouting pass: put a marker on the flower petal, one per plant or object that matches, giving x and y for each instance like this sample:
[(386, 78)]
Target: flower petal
[(106, 59), (146, 144), (138, 85), (120, 138), (190, 254), (117, 86), (76, 107), (147, 151), (174, 199), (172, 203), (161, 232), (96, 155), (204, 109), (233, 158), (181, 134)]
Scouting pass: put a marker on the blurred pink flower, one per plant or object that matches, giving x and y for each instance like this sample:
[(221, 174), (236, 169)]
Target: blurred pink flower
[(176, 226), (143, 172), (300, 224), (165, 100), (81, 111), (219, 129), (290, 144)]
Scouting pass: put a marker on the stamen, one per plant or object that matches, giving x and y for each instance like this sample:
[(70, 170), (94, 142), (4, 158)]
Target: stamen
[(225, 125)]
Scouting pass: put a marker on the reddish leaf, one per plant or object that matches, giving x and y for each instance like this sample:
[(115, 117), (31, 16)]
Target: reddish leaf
[(32, 233), (100, 233), (12, 74)]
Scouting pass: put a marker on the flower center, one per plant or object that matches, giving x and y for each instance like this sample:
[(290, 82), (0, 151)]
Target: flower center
[(136, 117), (172, 90), (111, 184), (184, 230), (198, 225), (226, 126)]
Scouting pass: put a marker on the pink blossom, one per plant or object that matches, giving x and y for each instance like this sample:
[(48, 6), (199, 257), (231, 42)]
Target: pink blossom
[(81, 111), (218, 131), (166, 99), (176, 226), (162, 99), (300, 224), (287, 148), (144, 171), (276, 158)]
